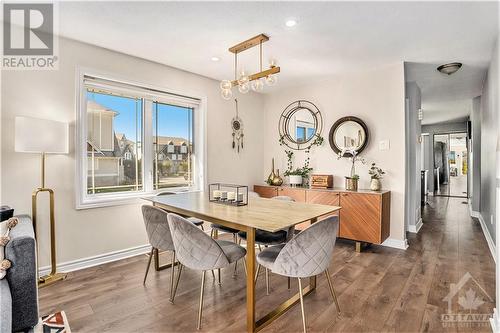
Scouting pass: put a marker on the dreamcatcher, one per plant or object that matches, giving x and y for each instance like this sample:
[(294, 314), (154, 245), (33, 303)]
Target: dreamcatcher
[(237, 126)]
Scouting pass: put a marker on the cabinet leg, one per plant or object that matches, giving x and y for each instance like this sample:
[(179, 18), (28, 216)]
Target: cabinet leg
[(360, 246)]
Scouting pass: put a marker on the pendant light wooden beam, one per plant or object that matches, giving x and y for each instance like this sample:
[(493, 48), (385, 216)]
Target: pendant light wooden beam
[(249, 43)]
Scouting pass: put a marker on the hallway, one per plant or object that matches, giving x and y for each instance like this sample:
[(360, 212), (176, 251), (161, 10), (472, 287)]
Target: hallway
[(380, 290)]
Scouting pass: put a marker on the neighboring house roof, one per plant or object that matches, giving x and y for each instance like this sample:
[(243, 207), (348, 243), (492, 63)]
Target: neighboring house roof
[(93, 106), (165, 140)]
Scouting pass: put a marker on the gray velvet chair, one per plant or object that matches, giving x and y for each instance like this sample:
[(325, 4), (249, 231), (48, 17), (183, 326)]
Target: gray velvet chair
[(158, 231), (194, 220), (267, 238), (308, 254), (198, 251)]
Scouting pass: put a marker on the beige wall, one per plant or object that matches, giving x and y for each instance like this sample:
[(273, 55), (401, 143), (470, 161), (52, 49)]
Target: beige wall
[(377, 97), (51, 95)]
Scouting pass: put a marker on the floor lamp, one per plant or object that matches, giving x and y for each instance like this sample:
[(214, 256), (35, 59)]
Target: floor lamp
[(43, 137)]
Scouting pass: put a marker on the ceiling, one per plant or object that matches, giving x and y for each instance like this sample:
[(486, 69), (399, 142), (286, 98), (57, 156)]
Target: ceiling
[(330, 37), (446, 98)]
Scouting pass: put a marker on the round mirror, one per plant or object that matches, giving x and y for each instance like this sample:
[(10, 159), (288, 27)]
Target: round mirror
[(348, 134), (300, 124)]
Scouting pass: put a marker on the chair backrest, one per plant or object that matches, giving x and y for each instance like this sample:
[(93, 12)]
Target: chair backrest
[(194, 248), (289, 231), (155, 220), (309, 253), (252, 194)]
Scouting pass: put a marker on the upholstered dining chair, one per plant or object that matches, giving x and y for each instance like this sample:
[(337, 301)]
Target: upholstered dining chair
[(196, 221), (158, 231), (196, 250), (267, 238), (308, 254)]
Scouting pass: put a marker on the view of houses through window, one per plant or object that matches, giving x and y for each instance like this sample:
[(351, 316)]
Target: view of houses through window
[(114, 150), (115, 127), (172, 142)]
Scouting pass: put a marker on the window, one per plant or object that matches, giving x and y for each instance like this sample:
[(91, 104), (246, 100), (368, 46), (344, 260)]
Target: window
[(135, 140)]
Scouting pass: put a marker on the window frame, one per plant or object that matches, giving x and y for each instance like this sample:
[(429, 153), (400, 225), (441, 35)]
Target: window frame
[(161, 94)]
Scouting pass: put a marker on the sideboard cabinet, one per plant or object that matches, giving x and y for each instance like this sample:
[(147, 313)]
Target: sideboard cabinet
[(364, 217)]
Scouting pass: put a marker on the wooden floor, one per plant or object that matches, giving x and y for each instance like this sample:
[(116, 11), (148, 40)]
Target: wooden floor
[(380, 290)]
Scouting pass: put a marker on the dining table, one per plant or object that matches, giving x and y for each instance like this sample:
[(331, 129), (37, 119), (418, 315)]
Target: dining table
[(258, 213)]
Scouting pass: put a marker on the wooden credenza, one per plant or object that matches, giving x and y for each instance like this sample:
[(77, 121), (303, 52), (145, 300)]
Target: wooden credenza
[(364, 217)]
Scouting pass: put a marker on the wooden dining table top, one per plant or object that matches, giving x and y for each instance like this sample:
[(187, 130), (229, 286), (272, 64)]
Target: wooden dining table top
[(260, 213)]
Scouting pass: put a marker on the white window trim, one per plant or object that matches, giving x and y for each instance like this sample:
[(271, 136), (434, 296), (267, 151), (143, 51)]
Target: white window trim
[(83, 200)]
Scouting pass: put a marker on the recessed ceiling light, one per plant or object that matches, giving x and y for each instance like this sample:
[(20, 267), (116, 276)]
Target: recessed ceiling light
[(215, 59), (291, 23)]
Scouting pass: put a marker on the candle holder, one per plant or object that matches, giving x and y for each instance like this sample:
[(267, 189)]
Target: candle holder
[(228, 194)]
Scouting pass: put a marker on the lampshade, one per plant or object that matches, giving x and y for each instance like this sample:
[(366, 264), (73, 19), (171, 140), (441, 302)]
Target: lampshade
[(34, 135)]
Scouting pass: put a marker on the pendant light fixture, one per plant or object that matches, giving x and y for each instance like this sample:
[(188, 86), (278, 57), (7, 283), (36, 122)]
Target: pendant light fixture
[(256, 81)]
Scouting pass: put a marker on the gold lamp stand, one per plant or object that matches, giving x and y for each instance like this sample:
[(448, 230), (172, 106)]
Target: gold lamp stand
[(53, 276)]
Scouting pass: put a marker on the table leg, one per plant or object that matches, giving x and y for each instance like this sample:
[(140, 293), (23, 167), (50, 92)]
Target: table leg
[(250, 262)]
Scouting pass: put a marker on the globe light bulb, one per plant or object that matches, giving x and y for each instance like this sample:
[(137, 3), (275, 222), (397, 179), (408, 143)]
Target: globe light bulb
[(226, 94), (244, 88), (257, 85), (271, 80), (226, 84), (243, 79)]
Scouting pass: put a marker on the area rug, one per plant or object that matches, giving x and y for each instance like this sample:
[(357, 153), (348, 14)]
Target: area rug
[(53, 323)]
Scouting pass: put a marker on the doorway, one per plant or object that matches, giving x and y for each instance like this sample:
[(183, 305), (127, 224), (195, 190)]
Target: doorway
[(451, 165)]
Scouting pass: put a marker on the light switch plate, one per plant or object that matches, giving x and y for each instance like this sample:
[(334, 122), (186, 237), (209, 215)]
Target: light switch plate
[(384, 145)]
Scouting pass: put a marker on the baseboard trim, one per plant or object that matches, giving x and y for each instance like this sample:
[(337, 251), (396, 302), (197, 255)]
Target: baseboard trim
[(100, 259), (495, 321), (416, 228), (396, 243), (487, 235)]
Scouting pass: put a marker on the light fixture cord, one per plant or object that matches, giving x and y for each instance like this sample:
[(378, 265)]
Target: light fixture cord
[(235, 65), (260, 47)]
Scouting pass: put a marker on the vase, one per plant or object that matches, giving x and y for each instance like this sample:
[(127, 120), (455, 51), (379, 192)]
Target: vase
[(277, 180), (295, 180), (375, 184), (272, 175), (351, 184)]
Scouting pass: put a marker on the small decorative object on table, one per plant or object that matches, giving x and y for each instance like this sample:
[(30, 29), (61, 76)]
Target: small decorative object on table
[(228, 194), (376, 173), (321, 181), (351, 183), (237, 127)]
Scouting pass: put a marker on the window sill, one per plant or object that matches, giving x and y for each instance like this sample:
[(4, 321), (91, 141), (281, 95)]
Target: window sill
[(120, 200)]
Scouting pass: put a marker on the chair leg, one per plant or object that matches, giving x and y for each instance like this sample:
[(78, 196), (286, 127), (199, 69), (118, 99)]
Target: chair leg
[(288, 278), (302, 306), (200, 309), (212, 233), (201, 226), (267, 281), (257, 272), (213, 274), (149, 264), (176, 283), (218, 276), (172, 275), (332, 291), (245, 265), (235, 268)]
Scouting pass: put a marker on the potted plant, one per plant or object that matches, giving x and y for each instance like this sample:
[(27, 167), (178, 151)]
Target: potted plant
[(295, 177), (376, 173), (351, 182)]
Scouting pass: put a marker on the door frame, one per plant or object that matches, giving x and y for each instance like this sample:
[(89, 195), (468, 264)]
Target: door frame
[(468, 163)]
